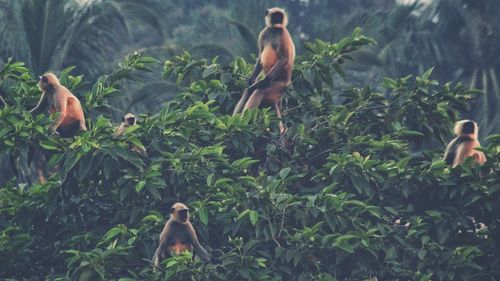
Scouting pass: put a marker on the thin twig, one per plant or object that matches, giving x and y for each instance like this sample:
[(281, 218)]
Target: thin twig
[(378, 106)]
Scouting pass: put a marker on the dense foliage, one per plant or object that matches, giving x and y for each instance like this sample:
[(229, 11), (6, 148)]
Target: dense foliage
[(357, 191), (459, 38)]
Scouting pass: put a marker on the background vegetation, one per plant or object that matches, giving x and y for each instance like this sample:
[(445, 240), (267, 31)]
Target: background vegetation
[(358, 193), (459, 38)]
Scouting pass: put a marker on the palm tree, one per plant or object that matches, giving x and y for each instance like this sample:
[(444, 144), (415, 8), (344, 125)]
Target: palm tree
[(53, 34), (461, 38)]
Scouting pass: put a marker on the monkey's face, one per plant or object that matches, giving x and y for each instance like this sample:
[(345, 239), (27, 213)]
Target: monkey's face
[(47, 81), (468, 128), (180, 212), (183, 215), (276, 16), (129, 119), (43, 83)]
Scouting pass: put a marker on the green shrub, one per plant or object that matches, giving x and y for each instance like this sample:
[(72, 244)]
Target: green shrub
[(359, 192)]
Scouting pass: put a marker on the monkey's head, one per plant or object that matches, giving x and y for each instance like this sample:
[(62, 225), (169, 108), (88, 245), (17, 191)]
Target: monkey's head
[(276, 17), (179, 212), (47, 81), (129, 119), (466, 127)]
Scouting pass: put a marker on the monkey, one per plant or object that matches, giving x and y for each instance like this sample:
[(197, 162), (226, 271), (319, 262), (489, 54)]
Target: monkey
[(178, 236), (276, 58), (464, 144), (58, 98), (128, 120)]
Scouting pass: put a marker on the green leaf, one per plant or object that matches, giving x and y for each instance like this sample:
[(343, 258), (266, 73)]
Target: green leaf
[(48, 145), (140, 185), (254, 217), (202, 212), (284, 173)]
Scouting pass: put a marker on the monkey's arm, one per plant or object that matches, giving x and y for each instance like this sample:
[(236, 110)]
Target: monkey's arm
[(42, 103), (464, 151), (449, 154), (256, 71), (82, 119), (158, 256), (273, 72), (258, 64), (119, 131), (61, 105), (198, 249), (277, 67), (479, 155)]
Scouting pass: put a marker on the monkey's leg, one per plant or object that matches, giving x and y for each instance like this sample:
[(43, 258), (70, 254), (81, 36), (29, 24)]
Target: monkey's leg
[(255, 99), (273, 95), (241, 102), (277, 107)]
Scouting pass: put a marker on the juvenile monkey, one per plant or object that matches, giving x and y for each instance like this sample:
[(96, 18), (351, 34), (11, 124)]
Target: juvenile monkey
[(58, 98), (178, 236), (464, 144), (127, 121), (276, 58)]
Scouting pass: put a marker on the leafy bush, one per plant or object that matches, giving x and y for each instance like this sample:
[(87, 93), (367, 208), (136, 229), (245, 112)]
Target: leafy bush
[(359, 192)]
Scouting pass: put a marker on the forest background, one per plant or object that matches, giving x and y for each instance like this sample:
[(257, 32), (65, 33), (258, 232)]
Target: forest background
[(359, 193)]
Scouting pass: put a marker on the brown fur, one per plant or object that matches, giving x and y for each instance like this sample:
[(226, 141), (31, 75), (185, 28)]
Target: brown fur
[(58, 98), (128, 120), (178, 236), (276, 59), (464, 145)]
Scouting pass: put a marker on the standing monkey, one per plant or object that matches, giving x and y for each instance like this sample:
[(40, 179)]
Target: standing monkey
[(464, 144), (127, 121), (276, 58), (58, 98), (178, 236)]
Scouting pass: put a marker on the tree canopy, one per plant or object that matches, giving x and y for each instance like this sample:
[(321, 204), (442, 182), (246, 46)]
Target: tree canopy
[(359, 192)]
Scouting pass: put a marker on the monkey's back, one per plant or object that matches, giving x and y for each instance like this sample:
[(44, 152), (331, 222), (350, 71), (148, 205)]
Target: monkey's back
[(73, 107), (451, 150)]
